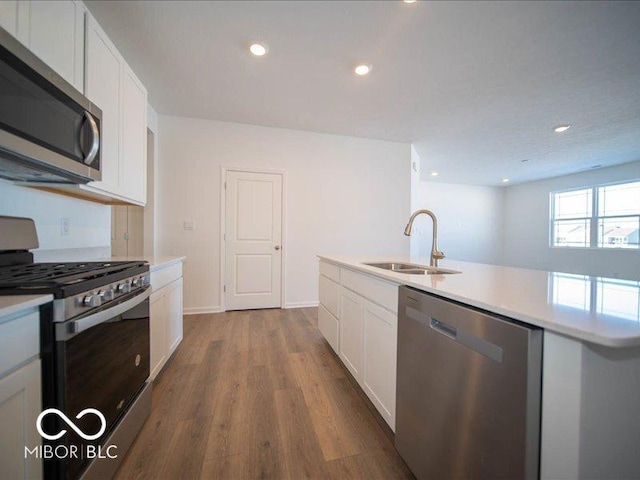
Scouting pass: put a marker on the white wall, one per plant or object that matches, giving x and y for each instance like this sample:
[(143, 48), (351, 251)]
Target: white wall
[(470, 220), (526, 227), (89, 223), (415, 240), (344, 195)]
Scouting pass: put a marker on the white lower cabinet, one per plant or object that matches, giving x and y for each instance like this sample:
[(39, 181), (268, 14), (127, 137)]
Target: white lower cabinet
[(329, 327), (165, 323), (352, 332), (20, 394), (20, 406), (363, 330), (380, 327), (329, 296), (174, 308), (159, 333)]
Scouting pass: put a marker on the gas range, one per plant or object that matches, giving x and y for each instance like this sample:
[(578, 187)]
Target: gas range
[(77, 287), (94, 347)]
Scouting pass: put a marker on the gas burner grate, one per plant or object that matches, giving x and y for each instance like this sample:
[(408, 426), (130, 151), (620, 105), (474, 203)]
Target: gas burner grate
[(38, 275)]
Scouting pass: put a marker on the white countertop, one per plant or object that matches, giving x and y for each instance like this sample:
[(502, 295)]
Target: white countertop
[(595, 309), (16, 303)]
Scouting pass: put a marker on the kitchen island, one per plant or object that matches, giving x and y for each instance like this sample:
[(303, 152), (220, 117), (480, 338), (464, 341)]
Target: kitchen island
[(591, 352)]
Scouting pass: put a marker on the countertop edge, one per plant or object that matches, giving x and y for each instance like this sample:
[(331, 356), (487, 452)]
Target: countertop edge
[(18, 303), (166, 262), (606, 341)]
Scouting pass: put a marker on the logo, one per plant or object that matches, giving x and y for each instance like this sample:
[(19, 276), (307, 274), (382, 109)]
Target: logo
[(70, 451), (103, 423)]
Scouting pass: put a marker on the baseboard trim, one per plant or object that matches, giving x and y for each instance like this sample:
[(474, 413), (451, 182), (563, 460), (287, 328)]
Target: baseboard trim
[(301, 305), (199, 310)]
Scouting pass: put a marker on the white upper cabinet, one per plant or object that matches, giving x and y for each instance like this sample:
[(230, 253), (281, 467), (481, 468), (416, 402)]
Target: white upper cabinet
[(53, 30), (103, 89), (111, 85), (134, 137), (56, 35)]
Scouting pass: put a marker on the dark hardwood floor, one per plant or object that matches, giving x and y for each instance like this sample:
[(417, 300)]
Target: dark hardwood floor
[(259, 394)]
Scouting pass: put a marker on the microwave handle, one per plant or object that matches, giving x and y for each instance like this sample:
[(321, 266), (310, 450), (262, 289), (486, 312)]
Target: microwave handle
[(95, 139), (65, 331)]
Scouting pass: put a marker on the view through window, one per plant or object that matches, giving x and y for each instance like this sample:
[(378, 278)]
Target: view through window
[(603, 216)]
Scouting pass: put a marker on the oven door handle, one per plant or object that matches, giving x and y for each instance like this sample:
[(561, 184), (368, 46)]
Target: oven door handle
[(67, 330)]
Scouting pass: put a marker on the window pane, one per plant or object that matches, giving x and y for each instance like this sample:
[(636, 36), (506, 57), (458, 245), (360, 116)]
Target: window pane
[(571, 233), (618, 232), (574, 204), (619, 199)]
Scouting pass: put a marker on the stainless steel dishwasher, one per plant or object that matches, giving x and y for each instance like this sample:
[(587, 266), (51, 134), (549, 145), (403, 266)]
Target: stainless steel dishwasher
[(468, 391)]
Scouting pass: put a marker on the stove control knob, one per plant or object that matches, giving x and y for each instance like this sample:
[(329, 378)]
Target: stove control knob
[(107, 295), (124, 287), (146, 280), (137, 282), (92, 301)]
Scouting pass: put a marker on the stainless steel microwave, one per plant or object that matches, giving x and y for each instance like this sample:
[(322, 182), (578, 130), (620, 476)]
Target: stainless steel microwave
[(49, 132)]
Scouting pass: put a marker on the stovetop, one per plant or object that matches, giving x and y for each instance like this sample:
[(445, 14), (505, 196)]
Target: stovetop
[(64, 279)]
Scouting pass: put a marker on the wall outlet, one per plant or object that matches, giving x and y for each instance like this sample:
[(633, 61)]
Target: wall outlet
[(64, 226), (189, 225)]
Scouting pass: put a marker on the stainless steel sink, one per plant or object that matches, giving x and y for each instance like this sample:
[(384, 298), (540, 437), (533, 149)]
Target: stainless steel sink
[(411, 268)]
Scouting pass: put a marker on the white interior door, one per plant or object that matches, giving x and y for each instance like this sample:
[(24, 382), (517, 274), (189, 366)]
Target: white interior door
[(253, 240)]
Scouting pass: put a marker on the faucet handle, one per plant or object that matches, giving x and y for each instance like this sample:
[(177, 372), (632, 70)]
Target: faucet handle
[(438, 255)]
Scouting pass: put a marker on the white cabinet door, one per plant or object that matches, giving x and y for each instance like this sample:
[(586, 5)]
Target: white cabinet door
[(329, 327), (56, 35), (102, 87), (380, 347), (329, 294), (134, 137), (20, 405), (174, 309), (165, 324), (159, 332), (351, 332)]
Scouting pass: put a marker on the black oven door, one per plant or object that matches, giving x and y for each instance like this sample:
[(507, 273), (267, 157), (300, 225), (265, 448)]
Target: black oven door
[(102, 363)]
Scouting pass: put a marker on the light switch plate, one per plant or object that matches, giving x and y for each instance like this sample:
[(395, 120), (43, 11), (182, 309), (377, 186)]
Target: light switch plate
[(64, 226), (189, 225)]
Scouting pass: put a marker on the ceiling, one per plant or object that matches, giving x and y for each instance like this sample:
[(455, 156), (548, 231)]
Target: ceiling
[(477, 87)]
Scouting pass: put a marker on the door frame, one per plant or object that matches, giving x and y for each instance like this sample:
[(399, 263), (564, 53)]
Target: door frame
[(223, 227)]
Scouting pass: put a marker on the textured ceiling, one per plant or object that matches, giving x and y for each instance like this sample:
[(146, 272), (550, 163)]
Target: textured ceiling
[(477, 87)]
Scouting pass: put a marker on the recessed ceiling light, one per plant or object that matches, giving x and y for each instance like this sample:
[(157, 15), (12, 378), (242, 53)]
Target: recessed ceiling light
[(258, 49), (409, 1), (505, 180), (561, 128), (434, 174), (362, 69)]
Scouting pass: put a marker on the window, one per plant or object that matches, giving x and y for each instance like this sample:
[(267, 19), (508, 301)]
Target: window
[(604, 216)]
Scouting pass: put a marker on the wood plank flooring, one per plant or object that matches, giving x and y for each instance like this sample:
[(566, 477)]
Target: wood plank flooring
[(259, 395)]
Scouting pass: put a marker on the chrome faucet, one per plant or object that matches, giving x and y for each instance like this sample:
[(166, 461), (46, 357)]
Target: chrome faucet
[(435, 253)]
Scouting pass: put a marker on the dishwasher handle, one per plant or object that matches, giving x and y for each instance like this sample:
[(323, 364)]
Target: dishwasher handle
[(443, 328), (459, 335)]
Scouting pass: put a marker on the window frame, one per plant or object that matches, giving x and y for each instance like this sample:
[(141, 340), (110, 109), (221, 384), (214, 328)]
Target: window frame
[(594, 224)]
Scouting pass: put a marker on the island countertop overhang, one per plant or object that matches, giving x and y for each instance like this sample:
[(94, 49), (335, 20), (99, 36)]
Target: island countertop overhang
[(531, 296)]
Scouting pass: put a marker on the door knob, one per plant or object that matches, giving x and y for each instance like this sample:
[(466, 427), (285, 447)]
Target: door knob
[(277, 247)]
